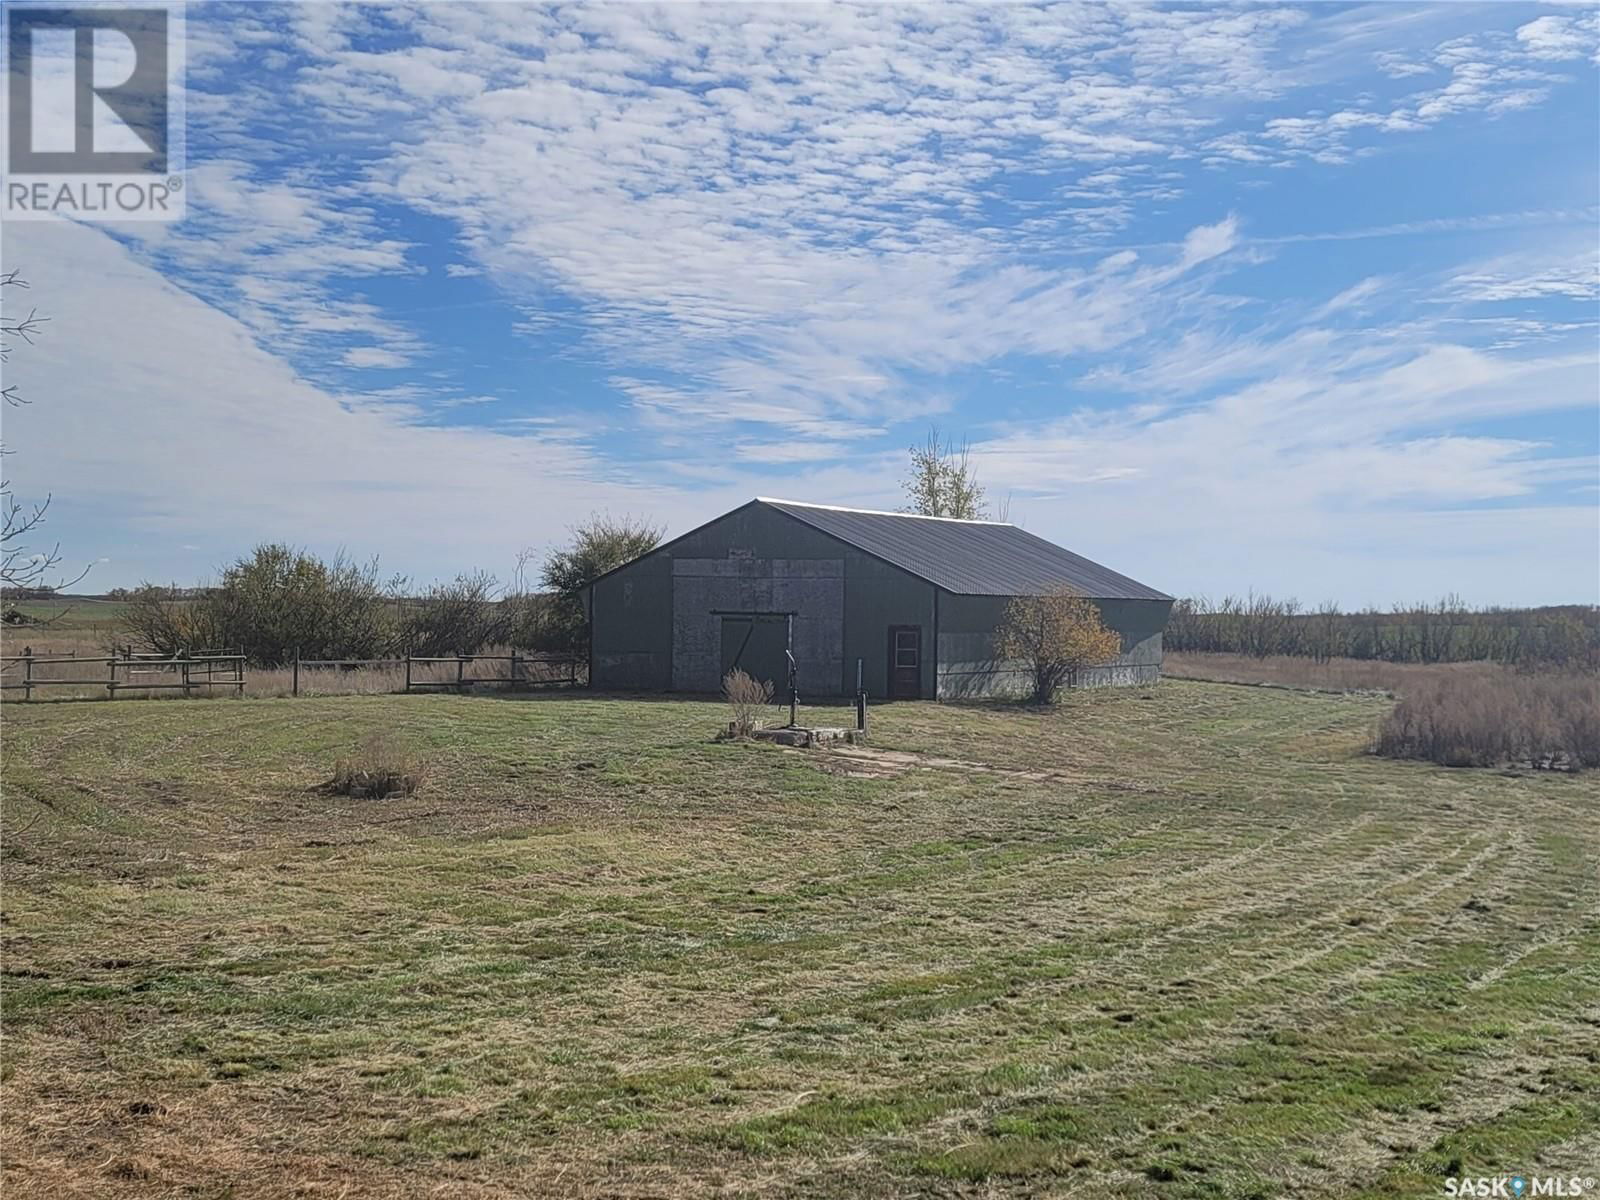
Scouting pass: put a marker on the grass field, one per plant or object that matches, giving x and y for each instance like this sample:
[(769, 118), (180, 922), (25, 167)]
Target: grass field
[(1184, 942)]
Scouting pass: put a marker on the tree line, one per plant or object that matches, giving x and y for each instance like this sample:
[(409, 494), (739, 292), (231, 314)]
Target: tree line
[(279, 601), (1444, 630)]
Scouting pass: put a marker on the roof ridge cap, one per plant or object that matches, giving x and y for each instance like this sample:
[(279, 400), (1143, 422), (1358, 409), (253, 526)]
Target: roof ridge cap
[(879, 512)]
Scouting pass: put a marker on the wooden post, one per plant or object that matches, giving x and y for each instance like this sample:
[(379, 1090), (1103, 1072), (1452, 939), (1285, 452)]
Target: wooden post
[(461, 673), (186, 692), (296, 689), (27, 672), (513, 669), (111, 683), (408, 668)]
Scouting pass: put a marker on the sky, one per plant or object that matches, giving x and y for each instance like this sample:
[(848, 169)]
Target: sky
[(1295, 298)]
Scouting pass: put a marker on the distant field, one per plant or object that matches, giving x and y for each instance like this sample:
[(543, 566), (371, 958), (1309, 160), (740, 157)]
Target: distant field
[(1333, 675), (68, 625), (1183, 942)]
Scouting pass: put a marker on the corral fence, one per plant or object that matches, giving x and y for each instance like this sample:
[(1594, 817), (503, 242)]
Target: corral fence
[(191, 671), (127, 674), (432, 671)]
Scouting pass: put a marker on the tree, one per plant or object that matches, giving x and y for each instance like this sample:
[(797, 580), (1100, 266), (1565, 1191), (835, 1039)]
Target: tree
[(1056, 635), (600, 544), (942, 482), (270, 604), (457, 617), (20, 567)]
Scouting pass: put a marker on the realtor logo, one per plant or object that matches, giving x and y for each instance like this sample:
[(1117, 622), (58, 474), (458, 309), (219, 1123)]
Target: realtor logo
[(94, 127)]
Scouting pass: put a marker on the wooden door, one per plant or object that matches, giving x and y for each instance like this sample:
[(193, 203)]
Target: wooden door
[(755, 645), (905, 662)]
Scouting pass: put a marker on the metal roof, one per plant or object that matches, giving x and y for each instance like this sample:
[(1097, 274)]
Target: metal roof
[(973, 558)]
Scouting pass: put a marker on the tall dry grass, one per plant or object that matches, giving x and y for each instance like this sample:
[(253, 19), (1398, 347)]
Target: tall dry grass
[(1456, 714), (747, 699), (381, 768), (1550, 720)]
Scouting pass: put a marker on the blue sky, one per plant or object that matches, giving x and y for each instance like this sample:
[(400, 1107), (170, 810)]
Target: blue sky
[(1301, 298)]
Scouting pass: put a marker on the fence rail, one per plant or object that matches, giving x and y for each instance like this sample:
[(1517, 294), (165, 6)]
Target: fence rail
[(130, 672), (221, 670), (559, 670)]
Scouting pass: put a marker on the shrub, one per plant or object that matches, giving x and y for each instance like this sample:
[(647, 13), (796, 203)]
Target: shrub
[(1055, 636), (379, 770), (1541, 720), (456, 617), (268, 604), (747, 699)]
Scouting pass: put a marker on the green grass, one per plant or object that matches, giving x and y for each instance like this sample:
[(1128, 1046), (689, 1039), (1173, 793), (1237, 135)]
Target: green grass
[(1184, 942)]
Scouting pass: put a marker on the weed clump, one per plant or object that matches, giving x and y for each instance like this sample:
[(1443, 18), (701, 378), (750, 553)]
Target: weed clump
[(379, 770), (747, 699)]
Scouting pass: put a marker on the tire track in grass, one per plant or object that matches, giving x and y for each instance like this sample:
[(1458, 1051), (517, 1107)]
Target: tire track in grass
[(1206, 1044), (1589, 922), (1306, 883), (1161, 946), (1230, 917), (1387, 1129)]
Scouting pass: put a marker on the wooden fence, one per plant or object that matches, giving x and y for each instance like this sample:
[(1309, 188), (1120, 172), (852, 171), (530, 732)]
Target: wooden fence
[(219, 670), (206, 670), (521, 670)]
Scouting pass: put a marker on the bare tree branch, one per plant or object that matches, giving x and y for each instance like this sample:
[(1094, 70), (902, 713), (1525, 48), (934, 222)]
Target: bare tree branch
[(21, 566)]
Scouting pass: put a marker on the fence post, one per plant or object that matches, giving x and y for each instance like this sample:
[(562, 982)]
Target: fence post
[(111, 683), (27, 672), (513, 670), (572, 673), (461, 673), (186, 692), (296, 690)]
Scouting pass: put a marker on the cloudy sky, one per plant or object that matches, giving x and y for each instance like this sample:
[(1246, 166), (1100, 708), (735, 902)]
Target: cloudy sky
[(1301, 298)]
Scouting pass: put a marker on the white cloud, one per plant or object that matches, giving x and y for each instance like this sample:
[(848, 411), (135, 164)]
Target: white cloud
[(1326, 482), (374, 356), (1579, 281), (169, 428), (1559, 38), (1208, 241)]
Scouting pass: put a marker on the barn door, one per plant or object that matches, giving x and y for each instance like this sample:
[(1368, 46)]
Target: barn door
[(905, 662), (755, 644)]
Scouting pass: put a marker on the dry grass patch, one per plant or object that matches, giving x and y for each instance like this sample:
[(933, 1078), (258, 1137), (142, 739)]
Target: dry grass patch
[(380, 770), (1332, 675), (747, 699), (1534, 720)]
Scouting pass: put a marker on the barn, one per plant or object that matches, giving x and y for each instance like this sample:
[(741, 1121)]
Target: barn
[(910, 602)]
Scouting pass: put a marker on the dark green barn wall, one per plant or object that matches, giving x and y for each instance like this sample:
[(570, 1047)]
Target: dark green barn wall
[(968, 666), (878, 596), (652, 625), (631, 619)]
